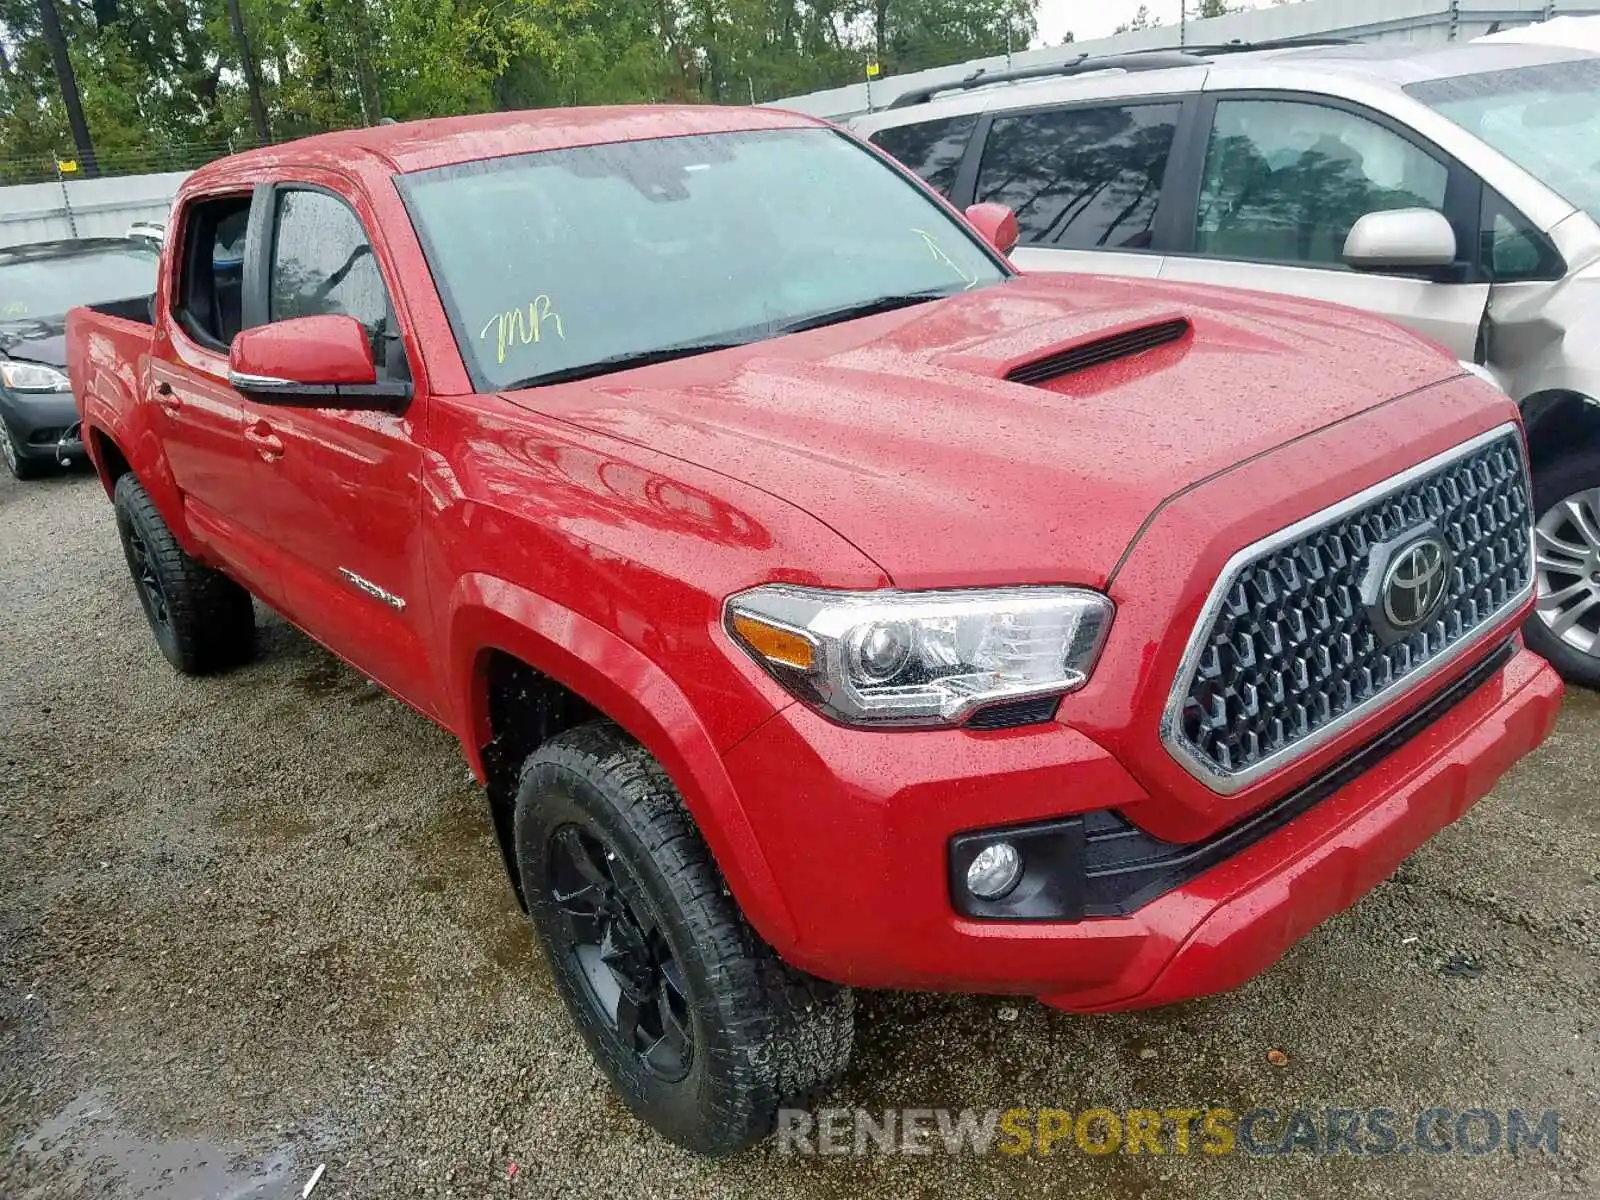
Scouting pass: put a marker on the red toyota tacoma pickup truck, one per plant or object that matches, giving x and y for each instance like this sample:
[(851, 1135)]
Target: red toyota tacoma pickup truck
[(822, 603)]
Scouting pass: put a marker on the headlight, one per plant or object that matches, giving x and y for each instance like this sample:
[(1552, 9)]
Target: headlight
[(920, 658), (33, 377)]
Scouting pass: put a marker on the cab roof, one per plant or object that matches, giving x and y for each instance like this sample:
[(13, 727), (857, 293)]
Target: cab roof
[(448, 141)]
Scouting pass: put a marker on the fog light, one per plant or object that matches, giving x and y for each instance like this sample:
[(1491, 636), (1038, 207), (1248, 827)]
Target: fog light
[(995, 871)]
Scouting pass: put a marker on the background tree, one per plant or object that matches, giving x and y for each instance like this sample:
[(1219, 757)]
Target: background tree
[(165, 84)]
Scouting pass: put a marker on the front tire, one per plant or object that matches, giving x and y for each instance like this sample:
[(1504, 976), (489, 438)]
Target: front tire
[(1565, 629), (202, 620), (11, 454), (702, 1030)]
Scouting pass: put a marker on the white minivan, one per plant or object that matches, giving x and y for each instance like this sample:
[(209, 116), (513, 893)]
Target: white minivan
[(1454, 190)]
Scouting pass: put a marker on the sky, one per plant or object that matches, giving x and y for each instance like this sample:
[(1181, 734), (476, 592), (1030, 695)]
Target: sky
[(1097, 18)]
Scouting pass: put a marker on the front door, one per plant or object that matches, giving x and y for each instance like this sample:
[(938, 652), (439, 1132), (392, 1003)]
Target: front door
[(339, 491), (1283, 182)]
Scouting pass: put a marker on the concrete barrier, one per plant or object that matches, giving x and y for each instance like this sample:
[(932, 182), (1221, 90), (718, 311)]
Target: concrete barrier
[(43, 212)]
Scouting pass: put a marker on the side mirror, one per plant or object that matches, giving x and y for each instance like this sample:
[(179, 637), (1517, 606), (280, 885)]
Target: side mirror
[(997, 223), (1403, 239), (311, 362)]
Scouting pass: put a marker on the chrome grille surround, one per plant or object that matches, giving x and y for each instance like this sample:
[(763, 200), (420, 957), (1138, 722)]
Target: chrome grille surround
[(1270, 696)]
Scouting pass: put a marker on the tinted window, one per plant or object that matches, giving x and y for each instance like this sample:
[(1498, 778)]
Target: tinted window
[(932, 149), (1284, 182), (1082, 179), (580, 260), (322, 262)]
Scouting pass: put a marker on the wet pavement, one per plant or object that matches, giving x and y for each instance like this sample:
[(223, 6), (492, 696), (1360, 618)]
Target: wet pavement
[(254, 924)]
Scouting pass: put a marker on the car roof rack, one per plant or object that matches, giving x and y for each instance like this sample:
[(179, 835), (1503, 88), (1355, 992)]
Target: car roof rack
[(1162, 58), (1144, 60)]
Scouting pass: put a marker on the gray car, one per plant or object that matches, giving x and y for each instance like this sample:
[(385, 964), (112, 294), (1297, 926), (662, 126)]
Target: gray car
[(1455, 190)]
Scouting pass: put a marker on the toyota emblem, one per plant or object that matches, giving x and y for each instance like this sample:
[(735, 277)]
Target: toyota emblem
[(1414, 585)]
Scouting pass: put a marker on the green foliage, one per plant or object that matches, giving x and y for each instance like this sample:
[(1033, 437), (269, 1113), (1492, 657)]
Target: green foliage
[(162, 83)]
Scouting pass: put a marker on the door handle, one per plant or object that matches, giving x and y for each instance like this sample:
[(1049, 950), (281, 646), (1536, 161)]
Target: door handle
[(165, 397), (267, 443)]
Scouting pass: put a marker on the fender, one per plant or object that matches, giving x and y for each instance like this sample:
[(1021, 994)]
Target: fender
[(487, 613), (111, 407)]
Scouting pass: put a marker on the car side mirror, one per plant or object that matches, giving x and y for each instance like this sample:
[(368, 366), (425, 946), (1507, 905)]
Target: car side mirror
[(997, 223), (311, 362), (1402, 239)]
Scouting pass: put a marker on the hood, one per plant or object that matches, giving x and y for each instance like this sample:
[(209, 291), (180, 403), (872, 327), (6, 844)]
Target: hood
[(903, 434), (37, 339)]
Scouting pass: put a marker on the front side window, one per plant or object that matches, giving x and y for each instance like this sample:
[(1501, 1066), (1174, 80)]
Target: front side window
[(1512, 250), (1284, 181), (322, 262), (574, 262), (1545, 118), (1081, 178), (933, 149)]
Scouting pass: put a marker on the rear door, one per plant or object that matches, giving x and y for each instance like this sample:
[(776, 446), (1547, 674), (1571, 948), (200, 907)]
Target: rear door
[(1086, 181), (199, 416), (1282, 180), (338, 490)]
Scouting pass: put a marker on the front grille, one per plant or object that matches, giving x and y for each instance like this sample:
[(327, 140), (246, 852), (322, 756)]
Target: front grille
[(1289, 652)]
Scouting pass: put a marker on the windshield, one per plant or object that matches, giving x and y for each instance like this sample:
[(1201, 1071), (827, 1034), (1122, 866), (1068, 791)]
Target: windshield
[(572, 262), (1546, 119), (48, 287)]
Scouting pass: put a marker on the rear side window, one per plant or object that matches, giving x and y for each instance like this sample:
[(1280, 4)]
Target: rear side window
[(1081, 178), (933, 149), (210, 303), (1285, 181), (322, 262)]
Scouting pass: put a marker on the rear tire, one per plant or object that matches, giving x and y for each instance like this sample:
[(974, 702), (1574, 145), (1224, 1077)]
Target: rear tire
[(11, 453), (203, 621), (1566, 501), (701, 1029)]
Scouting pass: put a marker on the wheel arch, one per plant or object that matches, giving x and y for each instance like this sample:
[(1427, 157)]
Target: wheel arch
[(1559, 422), (524, 667)]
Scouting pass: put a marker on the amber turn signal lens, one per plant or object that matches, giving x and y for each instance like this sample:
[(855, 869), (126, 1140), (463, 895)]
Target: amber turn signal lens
[(774, 644)]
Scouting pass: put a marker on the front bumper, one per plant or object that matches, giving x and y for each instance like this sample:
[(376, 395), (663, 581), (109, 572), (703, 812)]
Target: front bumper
[(856, 827), (39, 421)]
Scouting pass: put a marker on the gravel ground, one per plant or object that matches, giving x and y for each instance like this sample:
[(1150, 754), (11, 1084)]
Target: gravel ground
[(254, 924)]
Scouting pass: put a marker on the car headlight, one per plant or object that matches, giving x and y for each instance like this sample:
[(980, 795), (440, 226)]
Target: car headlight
[(33, 377), (920, 658)]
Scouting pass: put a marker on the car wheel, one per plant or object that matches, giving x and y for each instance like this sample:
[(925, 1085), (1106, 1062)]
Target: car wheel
[(1566, 627), (202, 620), (11, 452), (702, 1030)]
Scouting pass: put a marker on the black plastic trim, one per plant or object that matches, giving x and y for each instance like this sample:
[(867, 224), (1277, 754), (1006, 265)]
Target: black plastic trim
[(1099, 351), (1113, 868)]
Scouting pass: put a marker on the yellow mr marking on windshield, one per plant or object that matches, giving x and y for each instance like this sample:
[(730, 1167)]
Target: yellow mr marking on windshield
[(522, 326)]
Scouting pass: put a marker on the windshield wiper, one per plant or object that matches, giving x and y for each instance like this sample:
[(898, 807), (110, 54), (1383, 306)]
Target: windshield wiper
[(646, 358), (622, 362), (866, 308)]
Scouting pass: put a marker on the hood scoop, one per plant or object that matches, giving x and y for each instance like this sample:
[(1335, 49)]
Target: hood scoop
[(1099, 351)]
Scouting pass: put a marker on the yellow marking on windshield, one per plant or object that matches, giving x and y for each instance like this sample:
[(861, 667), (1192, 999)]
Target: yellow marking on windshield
[(938, 253), (16, 309), (522, 326)]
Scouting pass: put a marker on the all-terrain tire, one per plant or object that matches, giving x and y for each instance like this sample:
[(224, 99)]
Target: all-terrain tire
[(1572, 476), (203, 621), (765, 1036)]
